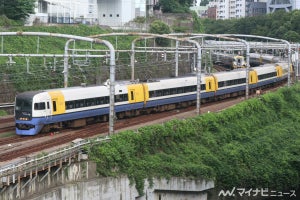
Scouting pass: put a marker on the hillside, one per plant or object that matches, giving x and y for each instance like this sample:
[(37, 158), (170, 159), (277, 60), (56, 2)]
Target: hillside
[(255, 144)]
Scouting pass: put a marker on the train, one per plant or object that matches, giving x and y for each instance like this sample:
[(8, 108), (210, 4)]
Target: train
[(42, 111)]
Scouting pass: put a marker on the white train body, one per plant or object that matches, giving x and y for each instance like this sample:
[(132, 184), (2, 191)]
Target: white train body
[(75, 106)]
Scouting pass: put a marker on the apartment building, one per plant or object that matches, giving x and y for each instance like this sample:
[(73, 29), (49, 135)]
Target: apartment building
[(228, 9)]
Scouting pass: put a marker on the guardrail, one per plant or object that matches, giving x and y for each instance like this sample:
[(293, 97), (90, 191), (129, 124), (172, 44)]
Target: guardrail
[(9, 172), (7, 105)]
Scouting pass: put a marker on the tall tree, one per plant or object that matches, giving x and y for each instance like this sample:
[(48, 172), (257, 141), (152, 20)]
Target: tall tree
[(17, 9), (159, 27), (175, 6)]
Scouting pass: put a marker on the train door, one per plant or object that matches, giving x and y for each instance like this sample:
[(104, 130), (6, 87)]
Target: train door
[(253, 78), (48, 110), (138, 93), (211, 84), (57, 102), (278, 71)]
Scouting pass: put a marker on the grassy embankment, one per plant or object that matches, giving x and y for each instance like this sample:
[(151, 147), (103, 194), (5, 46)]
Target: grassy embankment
[(255, 144)]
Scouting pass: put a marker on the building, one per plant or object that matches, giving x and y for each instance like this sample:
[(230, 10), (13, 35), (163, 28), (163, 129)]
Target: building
[(286, 5), (255, 9), (113, 13), (231, 9), (212, 12), (64, 12)]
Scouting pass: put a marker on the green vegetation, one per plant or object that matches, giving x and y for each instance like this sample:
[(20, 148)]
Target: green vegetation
[(159, 27), (255, 144), (38, 69), (17, 9), (175, 6), (280, 24), (8, 134), (3, 113)]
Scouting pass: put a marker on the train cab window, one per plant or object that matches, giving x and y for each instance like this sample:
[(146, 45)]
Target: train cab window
[(54, 106), (48, 105), (132, 95), (40, 106), (23, 104)]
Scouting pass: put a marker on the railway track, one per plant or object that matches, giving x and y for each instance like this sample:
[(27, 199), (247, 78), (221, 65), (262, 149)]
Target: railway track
[(22, 146), (7, 124)]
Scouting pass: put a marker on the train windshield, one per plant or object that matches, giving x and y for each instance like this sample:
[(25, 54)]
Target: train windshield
[(23, 105)]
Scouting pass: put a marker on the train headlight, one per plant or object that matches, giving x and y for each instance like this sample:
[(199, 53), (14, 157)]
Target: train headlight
[(24, 118)]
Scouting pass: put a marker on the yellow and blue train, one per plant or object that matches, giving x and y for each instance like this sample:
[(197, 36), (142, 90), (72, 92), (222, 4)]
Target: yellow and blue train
[(37, 111)]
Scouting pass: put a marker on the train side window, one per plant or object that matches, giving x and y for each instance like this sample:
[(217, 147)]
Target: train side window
[(125, 97), (152, 94), (69, 104), (209, 85), (202, 87), (89, 102), (118, 98), (39, 106), (48, 105), (106, 100), (97, 101), (77, 104), (54, 106), (180, 90), (221, 84)]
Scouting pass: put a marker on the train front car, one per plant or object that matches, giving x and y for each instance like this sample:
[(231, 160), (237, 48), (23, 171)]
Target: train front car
[(26, 122)]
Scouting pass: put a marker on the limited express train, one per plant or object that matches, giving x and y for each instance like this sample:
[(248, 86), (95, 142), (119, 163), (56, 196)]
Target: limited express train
[(37, 111)]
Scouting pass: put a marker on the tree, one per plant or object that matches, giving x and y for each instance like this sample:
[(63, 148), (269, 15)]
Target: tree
[(175, 6), (17, 9), (159, 27), (291, 36)]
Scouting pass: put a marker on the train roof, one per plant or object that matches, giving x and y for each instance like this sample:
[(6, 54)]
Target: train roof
[(26, 95)]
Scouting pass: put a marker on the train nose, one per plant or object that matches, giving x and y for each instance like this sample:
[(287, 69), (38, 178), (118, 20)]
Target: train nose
[(24, 126)]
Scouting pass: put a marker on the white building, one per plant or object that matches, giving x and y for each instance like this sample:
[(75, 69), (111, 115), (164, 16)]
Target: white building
[(114, 13), (228, 9)]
